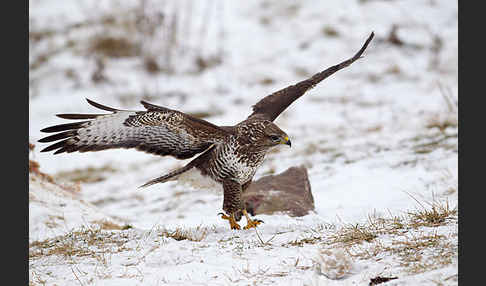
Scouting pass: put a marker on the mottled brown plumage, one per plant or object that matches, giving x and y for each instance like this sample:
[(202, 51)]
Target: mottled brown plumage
[(230, 155)]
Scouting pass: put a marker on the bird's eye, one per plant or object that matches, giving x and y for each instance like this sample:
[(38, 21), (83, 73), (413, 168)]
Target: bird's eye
[(274, 138)]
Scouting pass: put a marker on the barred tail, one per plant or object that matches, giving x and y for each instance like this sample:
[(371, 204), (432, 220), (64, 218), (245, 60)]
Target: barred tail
[(194, 163)]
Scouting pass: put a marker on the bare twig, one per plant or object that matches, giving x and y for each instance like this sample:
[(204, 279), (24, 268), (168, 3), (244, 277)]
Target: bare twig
[(261, 240), (447, 94), (77, 278)]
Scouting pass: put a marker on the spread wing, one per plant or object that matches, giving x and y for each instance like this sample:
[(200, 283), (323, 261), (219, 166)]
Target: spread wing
[(272, 105), (158, 130)]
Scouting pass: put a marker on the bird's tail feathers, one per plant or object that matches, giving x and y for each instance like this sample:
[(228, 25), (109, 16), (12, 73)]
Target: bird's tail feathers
[(195, 163), (167, 177)]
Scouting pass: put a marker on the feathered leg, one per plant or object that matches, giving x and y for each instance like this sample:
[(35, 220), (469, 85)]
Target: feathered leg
[(231, 201), (233, 205)]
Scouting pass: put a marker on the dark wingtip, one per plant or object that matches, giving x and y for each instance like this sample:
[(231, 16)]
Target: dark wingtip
[(100, 106), (369, 39), (57, 136), (150, 183), (55, 146), (363, 48), (151, 106), (63, 127), (78, 116)]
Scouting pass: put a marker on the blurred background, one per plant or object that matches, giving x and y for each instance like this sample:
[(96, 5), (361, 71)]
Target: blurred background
[(205, 56)]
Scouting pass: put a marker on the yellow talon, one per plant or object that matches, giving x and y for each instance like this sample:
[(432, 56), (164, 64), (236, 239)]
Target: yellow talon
[(251, 223), (232, 220)]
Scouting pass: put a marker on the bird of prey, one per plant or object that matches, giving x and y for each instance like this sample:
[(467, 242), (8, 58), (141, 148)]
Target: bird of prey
[(230, 155)]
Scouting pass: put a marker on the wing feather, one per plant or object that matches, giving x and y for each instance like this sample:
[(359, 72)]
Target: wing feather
[(158, 130), (272, 105), (78, 116), (63, 127)]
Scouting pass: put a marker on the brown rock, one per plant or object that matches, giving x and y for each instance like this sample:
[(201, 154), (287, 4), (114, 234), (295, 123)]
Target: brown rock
[(288, 192)]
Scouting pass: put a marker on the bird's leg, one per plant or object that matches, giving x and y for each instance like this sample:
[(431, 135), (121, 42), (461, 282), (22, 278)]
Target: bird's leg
[(231, 201), (232, 220), (249, 222)]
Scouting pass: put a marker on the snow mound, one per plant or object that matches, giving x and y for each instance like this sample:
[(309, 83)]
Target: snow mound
[(54, 210), (333, 263)]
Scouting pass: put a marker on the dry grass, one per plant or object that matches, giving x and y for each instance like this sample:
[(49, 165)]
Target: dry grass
[(445, 121), (108, 225), (84, 242), (431, 214), (442, 122), (193, 234), (312, 235), (423, 252), (435, 216), (114, 47), (413, 238), (306, 240), (352, 234)]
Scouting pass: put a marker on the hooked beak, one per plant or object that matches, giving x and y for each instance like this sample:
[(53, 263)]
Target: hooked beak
[(286, 141)]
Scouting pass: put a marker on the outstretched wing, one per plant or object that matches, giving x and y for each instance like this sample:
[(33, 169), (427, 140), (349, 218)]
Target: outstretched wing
[(158, 130), (272, 105)]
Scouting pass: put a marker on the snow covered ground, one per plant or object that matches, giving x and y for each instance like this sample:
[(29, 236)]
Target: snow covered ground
[(379, 139)]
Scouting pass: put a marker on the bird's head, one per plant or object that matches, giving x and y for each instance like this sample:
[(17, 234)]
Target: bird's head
[(262, 133), (274, 136)]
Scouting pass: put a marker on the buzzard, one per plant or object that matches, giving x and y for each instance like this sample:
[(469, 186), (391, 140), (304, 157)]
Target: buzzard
[(230, 155)]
